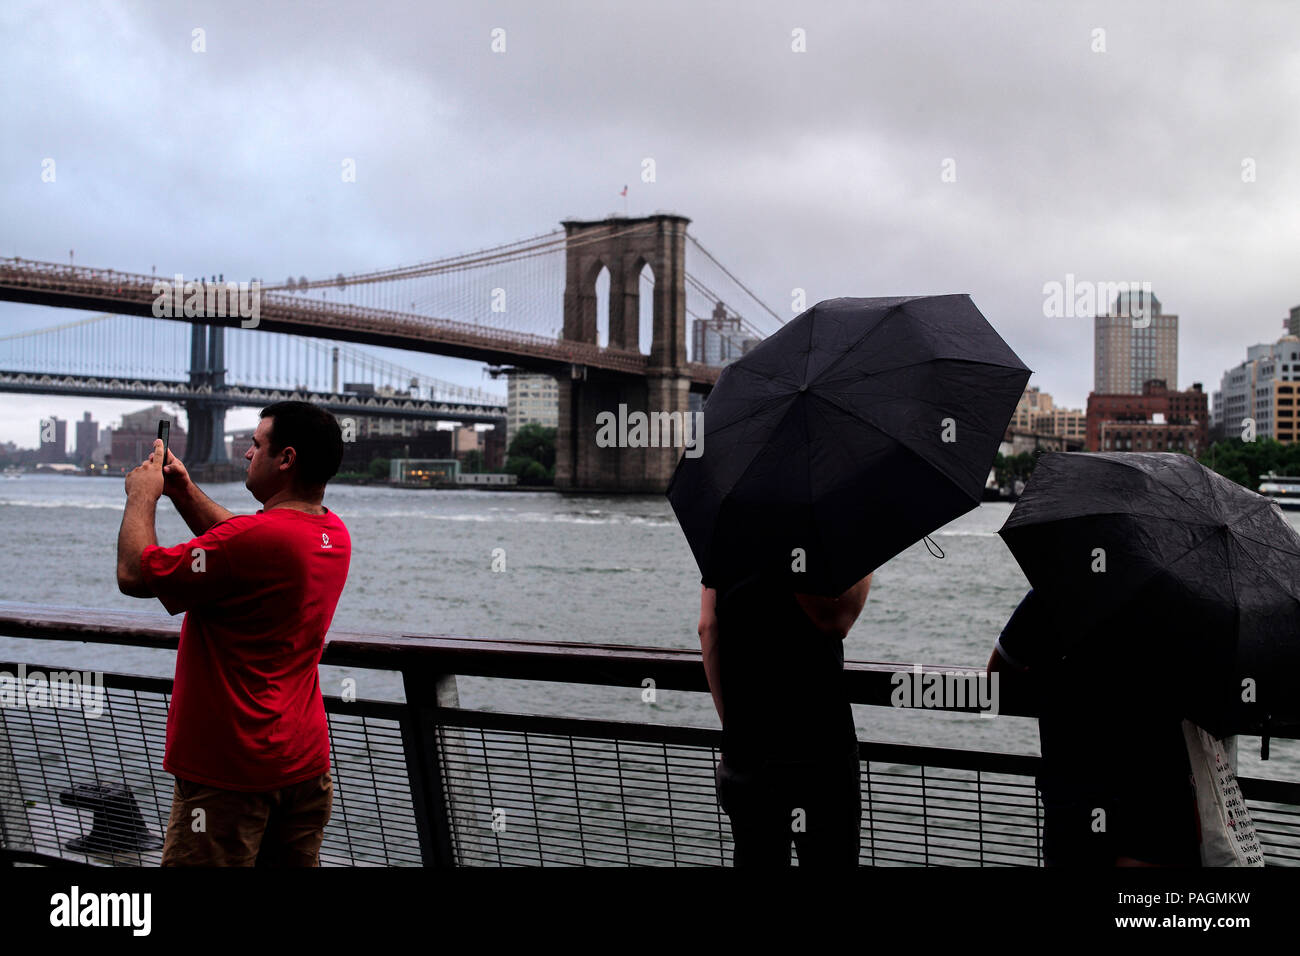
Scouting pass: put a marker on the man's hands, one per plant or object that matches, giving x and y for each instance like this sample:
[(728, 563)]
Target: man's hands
[(199, 511), (176, 480), (171, 480), (147, 478)]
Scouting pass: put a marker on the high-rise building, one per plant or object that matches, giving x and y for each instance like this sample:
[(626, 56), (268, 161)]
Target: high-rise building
[(133, 439), (1064, 423), (105, 445), (238, 442), (1036, 413), (375, 426), (53, 441), (720, 338), (1136, 343), (87, 439), (1032, 402), (465, 439), (380, 426), (494, 448), (531, 399), (1260, 394)]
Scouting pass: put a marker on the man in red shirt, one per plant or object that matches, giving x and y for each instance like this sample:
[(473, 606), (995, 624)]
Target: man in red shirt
[(247, 738)]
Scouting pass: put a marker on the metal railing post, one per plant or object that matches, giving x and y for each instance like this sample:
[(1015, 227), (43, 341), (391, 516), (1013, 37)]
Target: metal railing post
[(15, 828), (425, 694)]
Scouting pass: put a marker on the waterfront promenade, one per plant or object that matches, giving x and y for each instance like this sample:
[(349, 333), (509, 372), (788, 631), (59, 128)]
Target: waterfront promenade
[(429, 782)]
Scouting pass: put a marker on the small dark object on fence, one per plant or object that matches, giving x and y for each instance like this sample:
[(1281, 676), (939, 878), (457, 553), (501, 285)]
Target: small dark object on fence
[(118, 824)]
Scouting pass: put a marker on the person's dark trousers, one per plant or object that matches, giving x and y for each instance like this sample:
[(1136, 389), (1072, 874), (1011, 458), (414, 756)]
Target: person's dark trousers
[(816, 804), (1151, 819), (275, 828)]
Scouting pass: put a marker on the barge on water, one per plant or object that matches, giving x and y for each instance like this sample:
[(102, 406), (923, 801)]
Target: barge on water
[(1284, 491)]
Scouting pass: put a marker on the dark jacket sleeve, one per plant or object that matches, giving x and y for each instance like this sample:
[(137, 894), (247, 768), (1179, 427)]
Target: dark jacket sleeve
[(1022, 636)]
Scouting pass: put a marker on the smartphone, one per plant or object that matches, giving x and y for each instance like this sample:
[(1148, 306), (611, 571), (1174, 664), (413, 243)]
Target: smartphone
[(164, 432)]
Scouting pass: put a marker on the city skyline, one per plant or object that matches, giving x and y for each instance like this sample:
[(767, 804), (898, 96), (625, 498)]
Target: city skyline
[(68, 407)]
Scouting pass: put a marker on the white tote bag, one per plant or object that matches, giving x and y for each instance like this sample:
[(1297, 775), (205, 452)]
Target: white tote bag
[(1227, 833)]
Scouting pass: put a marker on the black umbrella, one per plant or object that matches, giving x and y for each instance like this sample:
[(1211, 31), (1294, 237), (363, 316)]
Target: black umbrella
[(1191, 582), (851, 433)]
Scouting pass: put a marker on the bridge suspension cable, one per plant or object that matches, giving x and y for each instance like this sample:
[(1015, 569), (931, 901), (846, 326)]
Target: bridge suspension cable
[(727, 272), (510, 296), (57, 328), (449, 263), (553, 241)]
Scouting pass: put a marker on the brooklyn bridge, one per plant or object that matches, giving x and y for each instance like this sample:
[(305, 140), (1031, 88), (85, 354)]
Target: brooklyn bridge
[(605, 306)]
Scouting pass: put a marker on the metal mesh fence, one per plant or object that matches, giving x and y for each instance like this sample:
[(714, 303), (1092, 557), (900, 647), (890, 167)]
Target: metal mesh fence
[(1277, 823), (373, 821), (525, 798), (938, 816), (521, 797), (90, 787), (519, 791)]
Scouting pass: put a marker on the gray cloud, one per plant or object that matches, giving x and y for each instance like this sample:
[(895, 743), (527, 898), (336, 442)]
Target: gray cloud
[(818, 170)]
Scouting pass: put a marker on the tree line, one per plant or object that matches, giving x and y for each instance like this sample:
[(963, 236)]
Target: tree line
[(1244, 462)]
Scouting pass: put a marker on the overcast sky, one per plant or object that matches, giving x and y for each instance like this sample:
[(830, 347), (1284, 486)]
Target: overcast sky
[(822, 170)]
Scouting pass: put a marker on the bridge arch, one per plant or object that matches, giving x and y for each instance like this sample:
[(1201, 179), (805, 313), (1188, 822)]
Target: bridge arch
[(599, 292), (638, 306), (627, 248)]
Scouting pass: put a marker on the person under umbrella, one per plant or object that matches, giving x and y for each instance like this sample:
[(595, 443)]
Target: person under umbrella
[(847, 436), (1161, 591), (1115, 780)]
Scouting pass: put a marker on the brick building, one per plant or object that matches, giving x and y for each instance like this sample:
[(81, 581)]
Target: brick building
[(1157, 420)]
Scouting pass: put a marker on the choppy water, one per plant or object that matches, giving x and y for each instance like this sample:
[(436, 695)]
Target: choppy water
[(597, 569)]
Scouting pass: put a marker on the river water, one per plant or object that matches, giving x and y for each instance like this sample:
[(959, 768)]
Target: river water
[(578, 568)]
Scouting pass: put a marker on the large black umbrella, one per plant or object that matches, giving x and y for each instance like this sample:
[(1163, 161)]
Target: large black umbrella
[(1189, 581), (843, 438)]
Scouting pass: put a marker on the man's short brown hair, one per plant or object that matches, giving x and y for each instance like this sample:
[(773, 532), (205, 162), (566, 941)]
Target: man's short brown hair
[(313, 434)]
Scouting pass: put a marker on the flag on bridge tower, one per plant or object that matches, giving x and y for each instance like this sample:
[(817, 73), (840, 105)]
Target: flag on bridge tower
[(624, 192)]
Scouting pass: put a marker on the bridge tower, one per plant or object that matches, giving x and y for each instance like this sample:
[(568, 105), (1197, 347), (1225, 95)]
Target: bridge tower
[(206, 440), (624, 246)]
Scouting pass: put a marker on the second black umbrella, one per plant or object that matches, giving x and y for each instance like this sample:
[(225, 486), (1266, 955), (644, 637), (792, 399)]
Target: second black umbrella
[(845, 437)]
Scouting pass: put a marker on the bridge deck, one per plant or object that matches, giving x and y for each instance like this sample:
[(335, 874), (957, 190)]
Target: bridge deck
[(79, 287)]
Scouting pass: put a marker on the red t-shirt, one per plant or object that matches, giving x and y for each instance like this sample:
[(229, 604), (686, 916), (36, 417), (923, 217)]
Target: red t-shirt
[(259, 592)]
